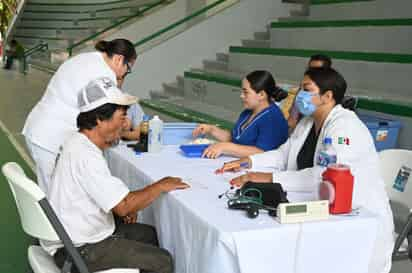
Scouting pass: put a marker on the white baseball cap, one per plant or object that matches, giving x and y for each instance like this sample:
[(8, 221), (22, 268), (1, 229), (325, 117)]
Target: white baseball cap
[(101, 91)]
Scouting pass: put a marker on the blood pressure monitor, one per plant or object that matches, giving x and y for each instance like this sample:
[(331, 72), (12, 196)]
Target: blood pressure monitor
[(303, 211)]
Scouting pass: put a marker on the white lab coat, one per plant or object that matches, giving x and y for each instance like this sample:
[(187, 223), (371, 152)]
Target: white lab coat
[(53, 118), (360, 155)]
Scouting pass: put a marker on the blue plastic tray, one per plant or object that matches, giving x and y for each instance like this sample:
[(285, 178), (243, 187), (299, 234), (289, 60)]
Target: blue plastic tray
[(193, 150)]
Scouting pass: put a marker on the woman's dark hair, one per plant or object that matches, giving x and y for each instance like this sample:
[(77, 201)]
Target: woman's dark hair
[(261, 80), (88, 120), (118, 46), (325, 59), (328, 79)]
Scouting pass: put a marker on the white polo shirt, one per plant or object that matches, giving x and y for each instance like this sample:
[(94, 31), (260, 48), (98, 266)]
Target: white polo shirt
[(83, 192), (53, 118)]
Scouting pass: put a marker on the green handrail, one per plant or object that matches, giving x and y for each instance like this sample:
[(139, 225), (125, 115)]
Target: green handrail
[(91, 37), (178, 23)]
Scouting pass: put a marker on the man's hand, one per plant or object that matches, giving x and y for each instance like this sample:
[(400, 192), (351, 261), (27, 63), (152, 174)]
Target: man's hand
[(169, 183), (131, 218)]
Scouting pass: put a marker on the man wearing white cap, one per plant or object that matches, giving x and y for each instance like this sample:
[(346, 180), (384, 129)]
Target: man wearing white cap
[(84, 194)]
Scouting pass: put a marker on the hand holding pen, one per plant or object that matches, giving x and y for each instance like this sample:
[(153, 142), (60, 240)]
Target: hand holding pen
[(234, 166)]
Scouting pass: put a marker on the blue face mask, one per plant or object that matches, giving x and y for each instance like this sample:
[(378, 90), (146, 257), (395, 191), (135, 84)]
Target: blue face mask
[(304, 102)]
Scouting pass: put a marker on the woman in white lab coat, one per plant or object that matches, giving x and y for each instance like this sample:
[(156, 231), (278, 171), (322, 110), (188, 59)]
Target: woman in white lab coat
[(54, 117), (294, 162)]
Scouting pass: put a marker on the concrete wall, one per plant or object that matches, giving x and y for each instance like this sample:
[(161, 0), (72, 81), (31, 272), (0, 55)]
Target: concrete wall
[(163, 62)]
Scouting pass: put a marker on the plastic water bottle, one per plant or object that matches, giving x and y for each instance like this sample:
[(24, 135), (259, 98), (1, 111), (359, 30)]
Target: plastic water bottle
[(327, 155), (155, 134)]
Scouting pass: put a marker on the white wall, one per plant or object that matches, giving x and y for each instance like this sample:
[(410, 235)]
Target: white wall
[(167, 60)]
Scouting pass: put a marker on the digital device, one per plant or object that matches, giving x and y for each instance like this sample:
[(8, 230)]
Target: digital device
[(288, 213)]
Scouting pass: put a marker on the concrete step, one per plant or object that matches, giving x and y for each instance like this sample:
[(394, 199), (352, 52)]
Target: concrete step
[(382, 35), (293, 18), (375, 74), (226, 73), (263, 35), (256, 43), (66, 23), (180, 81), (74, 33), (205, 108), (173, 89), (222, 57), (178, 109), (212, 64), (85, 6), (377, 9), (53, 43), (77, 15), (155, 95)]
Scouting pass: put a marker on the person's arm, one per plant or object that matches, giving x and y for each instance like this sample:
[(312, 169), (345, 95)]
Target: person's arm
[(209, 129), (231, 149), (137, 200)]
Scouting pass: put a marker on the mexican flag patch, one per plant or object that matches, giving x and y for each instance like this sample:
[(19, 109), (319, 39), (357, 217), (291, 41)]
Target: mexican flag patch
[(343, 140)]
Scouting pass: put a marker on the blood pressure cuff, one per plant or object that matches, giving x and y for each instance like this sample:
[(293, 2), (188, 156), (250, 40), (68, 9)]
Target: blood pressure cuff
[(272, 193)]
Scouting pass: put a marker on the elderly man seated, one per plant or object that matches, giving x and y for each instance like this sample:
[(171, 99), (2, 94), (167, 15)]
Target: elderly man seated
[(85, 195)]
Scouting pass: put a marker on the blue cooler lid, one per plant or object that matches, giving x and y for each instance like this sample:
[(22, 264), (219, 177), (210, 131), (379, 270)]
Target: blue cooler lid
[(374, 122)]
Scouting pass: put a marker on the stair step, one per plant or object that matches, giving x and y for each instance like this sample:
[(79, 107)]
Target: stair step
[(382, 35), (293, 18), (222, 57), (155, 95), (173, 89), (263, 35), (213, 64), (192, 111), (256, 43)]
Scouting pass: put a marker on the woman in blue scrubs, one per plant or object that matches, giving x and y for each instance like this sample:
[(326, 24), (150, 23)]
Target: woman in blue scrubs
[(260, 127)]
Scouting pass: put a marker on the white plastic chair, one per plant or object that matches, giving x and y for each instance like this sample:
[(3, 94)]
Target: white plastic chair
[(39, 220), (401, 202)]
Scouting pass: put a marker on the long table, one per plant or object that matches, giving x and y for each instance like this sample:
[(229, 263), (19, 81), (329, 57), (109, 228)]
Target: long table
[(204, 236)]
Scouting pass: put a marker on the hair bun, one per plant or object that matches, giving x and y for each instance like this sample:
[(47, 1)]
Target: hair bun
[(102, 46), (279, 94)]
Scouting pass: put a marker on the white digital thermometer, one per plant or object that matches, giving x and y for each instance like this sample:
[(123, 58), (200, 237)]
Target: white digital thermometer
[(288, 213)]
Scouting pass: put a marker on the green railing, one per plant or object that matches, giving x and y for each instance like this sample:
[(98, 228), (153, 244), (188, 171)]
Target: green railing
[(180, 22), (122, 21)]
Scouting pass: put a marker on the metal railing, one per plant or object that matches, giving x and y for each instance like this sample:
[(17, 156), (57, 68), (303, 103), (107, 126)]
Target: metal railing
[(42, 46), (122, 21)]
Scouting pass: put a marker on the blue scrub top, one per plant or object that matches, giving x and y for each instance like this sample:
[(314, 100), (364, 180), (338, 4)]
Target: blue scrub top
[(267, 131)]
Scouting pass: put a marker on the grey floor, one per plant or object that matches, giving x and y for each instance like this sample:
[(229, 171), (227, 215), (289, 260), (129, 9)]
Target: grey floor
[(18, 94)]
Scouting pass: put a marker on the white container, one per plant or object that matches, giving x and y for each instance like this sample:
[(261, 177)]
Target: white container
[(155, 135)]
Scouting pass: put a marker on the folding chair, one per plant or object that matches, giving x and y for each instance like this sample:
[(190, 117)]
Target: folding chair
[(391, 162), (40, 221)]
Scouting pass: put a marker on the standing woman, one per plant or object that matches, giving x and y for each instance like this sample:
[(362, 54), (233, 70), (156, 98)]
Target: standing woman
[(53, 118), (260, 127)]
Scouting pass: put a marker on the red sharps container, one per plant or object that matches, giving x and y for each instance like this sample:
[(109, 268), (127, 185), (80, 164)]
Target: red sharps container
[(337, 187)]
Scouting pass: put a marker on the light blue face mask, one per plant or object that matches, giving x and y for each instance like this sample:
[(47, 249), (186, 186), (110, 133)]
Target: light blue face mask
[(304, 102)]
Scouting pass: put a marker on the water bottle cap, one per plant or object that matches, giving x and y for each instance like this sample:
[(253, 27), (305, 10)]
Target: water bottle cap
[(146, 117), (327, 140)]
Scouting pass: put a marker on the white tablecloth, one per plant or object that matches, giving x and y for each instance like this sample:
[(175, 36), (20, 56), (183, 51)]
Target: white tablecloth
[(203, 235)]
